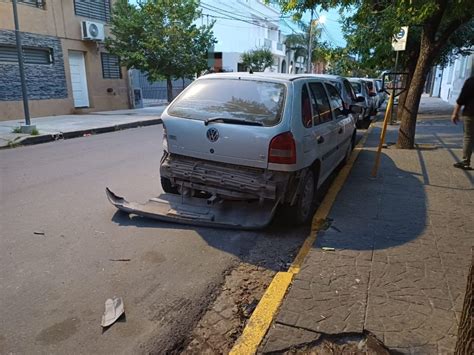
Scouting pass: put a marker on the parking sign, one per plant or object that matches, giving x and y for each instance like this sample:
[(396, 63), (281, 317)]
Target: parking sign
[(399, 40)]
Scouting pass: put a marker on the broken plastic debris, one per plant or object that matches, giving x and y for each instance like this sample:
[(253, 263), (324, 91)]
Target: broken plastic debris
[(113, 310), (328, 249), (38, 233), (122, 259)]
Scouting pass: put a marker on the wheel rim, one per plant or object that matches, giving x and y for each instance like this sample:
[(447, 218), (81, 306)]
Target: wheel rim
[(307, 196)]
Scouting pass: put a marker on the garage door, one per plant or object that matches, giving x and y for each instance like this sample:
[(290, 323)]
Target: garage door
[(78, 79)]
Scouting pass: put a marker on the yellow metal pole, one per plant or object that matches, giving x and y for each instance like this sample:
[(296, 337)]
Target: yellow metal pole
[(388, 113)]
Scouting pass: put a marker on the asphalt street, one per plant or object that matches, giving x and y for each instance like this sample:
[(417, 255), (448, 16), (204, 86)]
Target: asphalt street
[(64, 250)]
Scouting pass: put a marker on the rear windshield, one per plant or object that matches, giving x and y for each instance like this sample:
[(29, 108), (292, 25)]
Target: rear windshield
[(357, 87), (251, 100)]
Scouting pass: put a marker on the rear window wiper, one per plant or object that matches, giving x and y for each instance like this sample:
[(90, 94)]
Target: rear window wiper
[(233, 121)]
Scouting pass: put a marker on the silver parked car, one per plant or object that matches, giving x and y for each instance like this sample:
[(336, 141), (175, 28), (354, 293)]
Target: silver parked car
[(347, 92), (239, 145), (362, 91)]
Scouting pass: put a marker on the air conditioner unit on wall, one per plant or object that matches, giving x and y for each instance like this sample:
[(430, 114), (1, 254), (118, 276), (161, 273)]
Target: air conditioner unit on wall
[(92, 31)]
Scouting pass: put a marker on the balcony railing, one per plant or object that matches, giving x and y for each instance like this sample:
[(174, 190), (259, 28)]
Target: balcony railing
[(36, 3)]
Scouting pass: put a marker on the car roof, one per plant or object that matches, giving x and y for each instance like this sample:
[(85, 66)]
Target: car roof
[(255, 76), (328, 76)]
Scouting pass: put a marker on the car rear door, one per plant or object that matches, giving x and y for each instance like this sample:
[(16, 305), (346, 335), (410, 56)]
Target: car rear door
[(343, 122), (325, 129)]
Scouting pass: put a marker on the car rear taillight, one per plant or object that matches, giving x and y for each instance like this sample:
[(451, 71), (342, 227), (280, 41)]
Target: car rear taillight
[(282, 149)]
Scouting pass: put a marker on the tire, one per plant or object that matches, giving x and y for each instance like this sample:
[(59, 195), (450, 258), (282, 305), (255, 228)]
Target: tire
[(168, 187), (302, 211)]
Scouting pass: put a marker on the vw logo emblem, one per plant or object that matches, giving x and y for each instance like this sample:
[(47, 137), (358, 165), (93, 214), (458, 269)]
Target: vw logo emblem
[(212, 134)]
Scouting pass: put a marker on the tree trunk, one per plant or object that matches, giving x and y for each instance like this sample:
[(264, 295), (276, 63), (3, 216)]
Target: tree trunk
[(410, 69), (409, 110), (169, 88), (464, 343)]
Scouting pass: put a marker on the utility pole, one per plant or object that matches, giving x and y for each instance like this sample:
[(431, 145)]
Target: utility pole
[(21, 64), (310, 65)]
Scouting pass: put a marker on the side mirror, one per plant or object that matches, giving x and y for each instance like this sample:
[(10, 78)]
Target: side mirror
[(360, 99), (356, 109)]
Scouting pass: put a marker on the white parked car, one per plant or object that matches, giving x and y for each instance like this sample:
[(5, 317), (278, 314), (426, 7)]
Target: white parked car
[(346, 90), (238, 145), (362, 91)]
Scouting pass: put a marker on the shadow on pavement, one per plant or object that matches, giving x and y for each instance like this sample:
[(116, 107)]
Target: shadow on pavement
[(368, 213), (272, 248), (376, 213)]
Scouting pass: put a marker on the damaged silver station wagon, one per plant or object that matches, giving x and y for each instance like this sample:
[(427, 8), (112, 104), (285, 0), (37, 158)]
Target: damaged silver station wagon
[(237, 146)]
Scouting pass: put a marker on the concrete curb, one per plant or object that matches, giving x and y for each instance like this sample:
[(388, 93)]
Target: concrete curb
[(45, 138)]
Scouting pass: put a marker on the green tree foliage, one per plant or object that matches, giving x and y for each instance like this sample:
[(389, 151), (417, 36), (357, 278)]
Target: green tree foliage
[(258, 59), (161, 38), (439, 30)]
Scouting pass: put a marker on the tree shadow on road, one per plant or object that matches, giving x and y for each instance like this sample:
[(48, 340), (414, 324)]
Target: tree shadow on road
[(368, 213), (376, 213), (273, 247)]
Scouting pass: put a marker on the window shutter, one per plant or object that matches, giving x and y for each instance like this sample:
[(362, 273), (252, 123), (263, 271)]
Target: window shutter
[(93, 9), (30, 55)]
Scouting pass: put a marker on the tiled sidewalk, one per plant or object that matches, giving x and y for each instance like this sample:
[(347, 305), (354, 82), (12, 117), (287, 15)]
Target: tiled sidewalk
[(402, 251)]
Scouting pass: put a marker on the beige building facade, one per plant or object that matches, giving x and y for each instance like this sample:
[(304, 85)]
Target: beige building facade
[(68, 69)]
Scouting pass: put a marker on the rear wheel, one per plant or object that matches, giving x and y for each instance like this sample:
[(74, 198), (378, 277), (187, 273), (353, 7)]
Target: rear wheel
[(302, 211), (168, 187)]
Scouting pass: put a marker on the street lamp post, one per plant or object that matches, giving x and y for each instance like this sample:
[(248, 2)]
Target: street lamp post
[(312, 23), (22, 67), (309, 64)]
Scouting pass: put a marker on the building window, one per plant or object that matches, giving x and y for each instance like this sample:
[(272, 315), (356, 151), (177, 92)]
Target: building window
[(30, 55), (110, 66), (36, 3), (93, 9)]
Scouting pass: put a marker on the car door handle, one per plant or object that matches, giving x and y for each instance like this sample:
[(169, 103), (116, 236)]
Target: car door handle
[(320, 139), (340, 130)]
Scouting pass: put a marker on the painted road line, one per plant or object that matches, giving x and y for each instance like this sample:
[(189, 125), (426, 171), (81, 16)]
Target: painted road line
[(263, 315), (267, 308)]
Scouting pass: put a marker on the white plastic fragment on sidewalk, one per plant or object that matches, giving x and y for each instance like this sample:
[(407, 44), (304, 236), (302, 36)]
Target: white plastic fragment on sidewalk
[(113, 310), (328, 249)]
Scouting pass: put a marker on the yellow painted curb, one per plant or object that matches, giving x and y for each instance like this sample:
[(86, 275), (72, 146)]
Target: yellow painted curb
[(262, 317), (319, 219)]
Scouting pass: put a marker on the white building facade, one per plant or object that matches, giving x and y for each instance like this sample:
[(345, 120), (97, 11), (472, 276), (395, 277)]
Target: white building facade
[(448, 81), (240, 26)]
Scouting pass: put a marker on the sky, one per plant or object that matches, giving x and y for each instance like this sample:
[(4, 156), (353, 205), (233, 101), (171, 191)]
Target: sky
[(331, 29)]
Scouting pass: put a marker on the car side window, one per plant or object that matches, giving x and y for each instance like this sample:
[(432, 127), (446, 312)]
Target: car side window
[(306, 114), (336, 101), (322, 102), (350, 90), (370, 87)]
